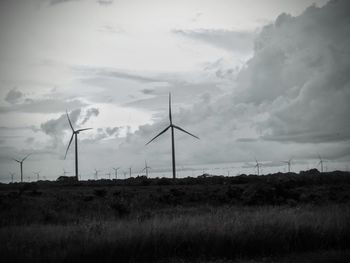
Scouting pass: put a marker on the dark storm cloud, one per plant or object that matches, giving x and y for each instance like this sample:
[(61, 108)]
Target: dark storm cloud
[(301, 68), (13, 96), (226, 39)]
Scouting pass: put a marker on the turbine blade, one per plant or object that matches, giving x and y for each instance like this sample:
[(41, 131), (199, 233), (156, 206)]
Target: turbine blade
[(71, 139), (26, 157), (143, 169), (84, 129), (16, 160), (70, 124), (159, 134), (177, 127), (170, 117)]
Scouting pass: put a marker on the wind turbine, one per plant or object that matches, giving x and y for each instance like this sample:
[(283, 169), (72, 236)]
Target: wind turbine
[(12, 174), (37, 175), (146, 168), (65, 172), (116, 172), (75, 135), (289, 163), (96, 174), (130, 171), (258, 165), (321, 163), (21, 165), (172, 127), (109, 175)]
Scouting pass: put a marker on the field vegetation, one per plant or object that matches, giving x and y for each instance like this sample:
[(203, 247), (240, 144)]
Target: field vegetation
[(274, 218)]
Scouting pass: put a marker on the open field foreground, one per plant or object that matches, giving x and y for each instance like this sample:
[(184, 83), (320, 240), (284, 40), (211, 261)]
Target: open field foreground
[(276, 218)]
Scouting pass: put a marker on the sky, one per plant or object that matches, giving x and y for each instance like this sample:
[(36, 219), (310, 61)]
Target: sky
[(262, 79)]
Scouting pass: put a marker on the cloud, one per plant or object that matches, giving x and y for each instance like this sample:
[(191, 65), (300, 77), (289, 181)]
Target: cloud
[(300, 72), (38, 105), (56, 127), (89, 113), (14, 96), (291, 98), (237, 41)]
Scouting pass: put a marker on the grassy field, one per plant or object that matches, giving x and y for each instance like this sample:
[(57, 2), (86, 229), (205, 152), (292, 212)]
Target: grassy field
[(213, 220)]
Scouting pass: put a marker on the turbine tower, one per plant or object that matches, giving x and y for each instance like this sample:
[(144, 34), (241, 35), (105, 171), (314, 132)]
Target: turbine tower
[(21, 165), (146, 169), (172, 127), (116, 172), (258, 165), (130, 171), (109, 175), (289, 163), (75, 135)]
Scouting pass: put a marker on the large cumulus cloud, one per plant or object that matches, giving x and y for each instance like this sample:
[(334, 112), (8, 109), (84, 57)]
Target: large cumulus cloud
[(300, 70), (290, 99)]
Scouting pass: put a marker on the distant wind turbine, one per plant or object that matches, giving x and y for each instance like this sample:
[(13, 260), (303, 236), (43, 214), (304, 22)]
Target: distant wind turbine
[(172, 127), (12, 174), (37, 175), (258, 165), (146, 169), (289, 163), (116, 172), (75, 135), (109, 175), (321, 163), (21, 165), (130, 171), (96, 174), (65, 172)]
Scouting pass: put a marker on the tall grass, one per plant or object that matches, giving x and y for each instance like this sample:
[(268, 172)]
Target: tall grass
[(207, 234)]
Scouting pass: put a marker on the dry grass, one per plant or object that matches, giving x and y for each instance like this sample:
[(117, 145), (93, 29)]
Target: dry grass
[(226, 233)]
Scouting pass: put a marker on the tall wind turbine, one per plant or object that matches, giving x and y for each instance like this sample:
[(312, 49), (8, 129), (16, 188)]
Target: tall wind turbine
[(116, 172), (289, 163), (146, 169), (258, 165), (130, 171), (172, 127), (75, 135), (21, 165)]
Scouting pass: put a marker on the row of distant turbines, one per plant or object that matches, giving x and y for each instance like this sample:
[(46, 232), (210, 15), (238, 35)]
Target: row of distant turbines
[(171, 126)]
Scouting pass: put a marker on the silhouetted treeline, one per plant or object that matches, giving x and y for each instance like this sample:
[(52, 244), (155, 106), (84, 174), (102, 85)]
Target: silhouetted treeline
[(54, 202)]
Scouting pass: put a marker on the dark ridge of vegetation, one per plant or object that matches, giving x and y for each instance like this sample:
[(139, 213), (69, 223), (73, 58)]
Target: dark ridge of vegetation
[(55, 202)]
